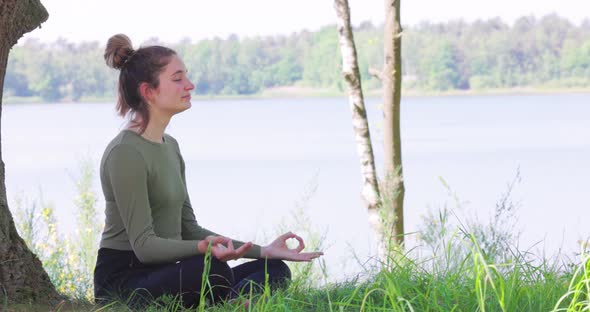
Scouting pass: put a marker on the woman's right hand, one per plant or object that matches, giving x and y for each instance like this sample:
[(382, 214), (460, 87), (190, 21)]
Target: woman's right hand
[(222, 248)]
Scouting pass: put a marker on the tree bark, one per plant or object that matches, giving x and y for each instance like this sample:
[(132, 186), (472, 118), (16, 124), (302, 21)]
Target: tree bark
[(393, 189), (352, 77), (22, 277)]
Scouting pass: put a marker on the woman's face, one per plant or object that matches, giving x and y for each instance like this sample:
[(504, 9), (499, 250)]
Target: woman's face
[(173, 94)]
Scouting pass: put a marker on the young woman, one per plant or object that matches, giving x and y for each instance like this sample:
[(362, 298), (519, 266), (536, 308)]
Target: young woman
[(151, 244)]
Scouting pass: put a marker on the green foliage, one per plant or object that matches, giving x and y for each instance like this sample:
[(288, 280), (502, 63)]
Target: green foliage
[(449, 243), (88, 228), (472, 267), (321, 62), (479, 285), (576, 59), (441, 64), (578, 291), (304, 274), (69, 262), (549, 51), (16, 82)]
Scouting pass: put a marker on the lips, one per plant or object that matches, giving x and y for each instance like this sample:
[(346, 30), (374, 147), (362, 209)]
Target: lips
[(187, 97)]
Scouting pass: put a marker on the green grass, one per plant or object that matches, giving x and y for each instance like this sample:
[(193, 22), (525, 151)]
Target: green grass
[(469, 267), (475, 284)]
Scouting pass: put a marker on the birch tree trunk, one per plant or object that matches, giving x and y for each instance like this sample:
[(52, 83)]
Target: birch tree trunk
[(352, 77), (393, 189), (22, 277)]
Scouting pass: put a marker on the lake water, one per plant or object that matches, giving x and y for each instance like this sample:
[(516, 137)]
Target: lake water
[(252, 164)]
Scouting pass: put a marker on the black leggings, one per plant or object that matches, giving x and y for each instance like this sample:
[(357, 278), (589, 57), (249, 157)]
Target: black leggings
[(119, 275)]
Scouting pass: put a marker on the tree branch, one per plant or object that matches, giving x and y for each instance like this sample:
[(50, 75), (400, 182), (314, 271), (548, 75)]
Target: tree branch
[(376, 73)]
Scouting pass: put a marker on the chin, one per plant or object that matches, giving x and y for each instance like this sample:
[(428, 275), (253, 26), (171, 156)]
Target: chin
[(185, 105), (182, 108)]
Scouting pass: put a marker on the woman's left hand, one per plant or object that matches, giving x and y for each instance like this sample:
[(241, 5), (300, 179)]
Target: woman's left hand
[(278, 250)]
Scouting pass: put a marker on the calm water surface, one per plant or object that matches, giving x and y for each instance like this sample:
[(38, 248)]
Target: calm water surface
[(253, 164)]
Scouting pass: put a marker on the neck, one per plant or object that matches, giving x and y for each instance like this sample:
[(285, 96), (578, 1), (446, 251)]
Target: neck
[(155, 128)]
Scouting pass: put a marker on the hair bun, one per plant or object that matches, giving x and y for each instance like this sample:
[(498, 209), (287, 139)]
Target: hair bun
[(118, 50)]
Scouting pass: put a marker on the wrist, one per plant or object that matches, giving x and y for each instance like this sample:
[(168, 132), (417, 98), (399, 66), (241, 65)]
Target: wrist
[(264, 252), (202, 246)]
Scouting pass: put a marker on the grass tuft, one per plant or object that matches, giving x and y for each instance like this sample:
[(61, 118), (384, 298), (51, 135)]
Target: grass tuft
[(463, 267)]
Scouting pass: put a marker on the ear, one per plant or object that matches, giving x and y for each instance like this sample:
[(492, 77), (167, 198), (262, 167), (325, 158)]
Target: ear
[(146, 91)]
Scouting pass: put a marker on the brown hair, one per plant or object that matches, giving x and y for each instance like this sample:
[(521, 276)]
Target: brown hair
[(137, 66)]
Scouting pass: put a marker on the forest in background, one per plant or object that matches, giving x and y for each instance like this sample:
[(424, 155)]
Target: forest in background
[(547, 52)]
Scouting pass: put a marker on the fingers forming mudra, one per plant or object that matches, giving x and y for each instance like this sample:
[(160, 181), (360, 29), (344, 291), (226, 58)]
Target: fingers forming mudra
[(222, 248), (278, 249)]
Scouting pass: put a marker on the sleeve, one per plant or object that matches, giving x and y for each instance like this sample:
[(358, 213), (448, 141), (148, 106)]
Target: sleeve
[(127, 173), (191, 230)]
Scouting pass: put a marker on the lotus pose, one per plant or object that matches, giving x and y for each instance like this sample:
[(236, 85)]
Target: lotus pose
[(152, 244)]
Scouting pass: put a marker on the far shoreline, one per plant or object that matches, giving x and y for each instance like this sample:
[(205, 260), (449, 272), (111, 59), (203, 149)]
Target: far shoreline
[(304, 92)]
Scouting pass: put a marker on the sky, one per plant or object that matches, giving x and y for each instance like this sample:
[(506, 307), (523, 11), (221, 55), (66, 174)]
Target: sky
[(173, 20)]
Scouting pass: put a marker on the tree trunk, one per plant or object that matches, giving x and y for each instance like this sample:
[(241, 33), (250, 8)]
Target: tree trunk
[(22, 277), (352, 77), (393, 189)]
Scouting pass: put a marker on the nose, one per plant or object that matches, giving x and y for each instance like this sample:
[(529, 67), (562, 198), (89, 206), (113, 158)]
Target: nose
[(190, 86)]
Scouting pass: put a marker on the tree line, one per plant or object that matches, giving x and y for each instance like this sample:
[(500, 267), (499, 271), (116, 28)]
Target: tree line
[(485, 54)]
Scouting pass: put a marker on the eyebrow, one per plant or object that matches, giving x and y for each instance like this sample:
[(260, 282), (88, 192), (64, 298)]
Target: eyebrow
[(180, 71)]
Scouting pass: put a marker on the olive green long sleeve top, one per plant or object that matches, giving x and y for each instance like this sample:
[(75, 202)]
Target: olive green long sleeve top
[(148, 209)]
